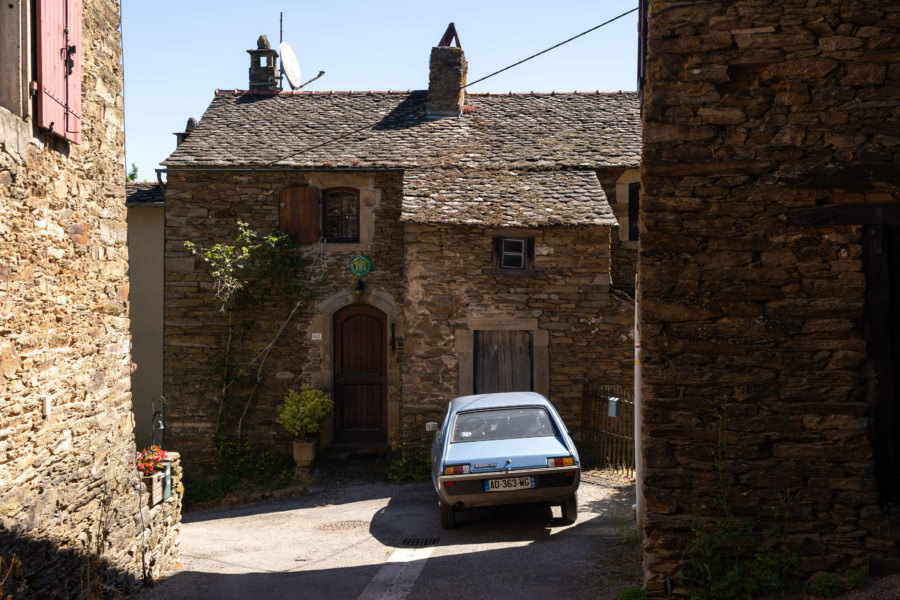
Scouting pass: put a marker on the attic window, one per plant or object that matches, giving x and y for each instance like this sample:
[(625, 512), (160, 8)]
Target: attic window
[(512, 253), (513, 256), (340, 208)]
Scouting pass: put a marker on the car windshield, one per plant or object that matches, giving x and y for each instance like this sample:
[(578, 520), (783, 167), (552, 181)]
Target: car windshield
[(502, 424)]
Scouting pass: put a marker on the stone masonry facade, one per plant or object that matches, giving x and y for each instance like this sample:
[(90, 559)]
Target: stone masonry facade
[(70, 497), (196, 332), (754, 112), (430, 281)]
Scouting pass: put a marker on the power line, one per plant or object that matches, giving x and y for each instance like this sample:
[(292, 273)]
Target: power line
[(575, 37), (374, 123)]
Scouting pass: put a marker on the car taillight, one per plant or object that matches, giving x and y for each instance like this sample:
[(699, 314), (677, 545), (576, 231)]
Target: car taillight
[(456, 470), (562, 461)]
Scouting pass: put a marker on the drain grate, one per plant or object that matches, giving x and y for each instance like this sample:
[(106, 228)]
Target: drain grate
[(419, 542)]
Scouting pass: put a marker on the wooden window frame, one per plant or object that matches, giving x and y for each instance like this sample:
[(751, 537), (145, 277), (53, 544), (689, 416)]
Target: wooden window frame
[(527, 268), (325, 229)]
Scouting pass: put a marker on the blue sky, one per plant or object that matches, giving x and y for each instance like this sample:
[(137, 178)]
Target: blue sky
[(177, 53)]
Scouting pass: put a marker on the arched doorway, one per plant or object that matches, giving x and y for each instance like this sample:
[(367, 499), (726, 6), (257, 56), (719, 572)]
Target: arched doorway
[(360, 375)]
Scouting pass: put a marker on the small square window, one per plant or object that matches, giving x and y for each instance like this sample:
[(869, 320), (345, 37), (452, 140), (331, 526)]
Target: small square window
[(512, 253)]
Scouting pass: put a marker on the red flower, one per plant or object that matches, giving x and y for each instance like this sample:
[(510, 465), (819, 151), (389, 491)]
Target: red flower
[(150, 460)]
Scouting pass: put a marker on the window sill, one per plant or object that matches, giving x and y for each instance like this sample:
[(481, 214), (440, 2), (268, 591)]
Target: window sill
[(514, 272)]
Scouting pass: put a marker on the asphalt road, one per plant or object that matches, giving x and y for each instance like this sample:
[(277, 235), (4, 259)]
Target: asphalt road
[(368, 540)]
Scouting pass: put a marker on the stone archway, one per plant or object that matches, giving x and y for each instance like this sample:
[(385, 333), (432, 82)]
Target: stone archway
[(327, 310)]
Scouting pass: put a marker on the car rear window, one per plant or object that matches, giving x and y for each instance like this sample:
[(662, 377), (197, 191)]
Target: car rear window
[(502, 424)]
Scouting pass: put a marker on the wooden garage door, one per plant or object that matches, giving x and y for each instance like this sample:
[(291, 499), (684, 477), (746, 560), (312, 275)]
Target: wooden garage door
[(504, 362), (360, 375)]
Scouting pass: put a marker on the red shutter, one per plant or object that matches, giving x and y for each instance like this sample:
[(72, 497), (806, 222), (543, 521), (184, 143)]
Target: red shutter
[(299, 213), (59, 67)]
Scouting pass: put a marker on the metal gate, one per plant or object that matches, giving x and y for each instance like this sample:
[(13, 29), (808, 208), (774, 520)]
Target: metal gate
[(607, 429)]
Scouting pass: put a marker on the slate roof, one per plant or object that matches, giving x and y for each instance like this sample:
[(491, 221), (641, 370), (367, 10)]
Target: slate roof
[(143, 193), (569, 130), (504, 198)]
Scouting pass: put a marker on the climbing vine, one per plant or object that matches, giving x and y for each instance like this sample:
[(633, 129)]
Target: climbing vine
[(247, 272)]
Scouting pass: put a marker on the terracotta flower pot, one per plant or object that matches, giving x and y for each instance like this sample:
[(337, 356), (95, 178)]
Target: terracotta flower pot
[(304, 453)]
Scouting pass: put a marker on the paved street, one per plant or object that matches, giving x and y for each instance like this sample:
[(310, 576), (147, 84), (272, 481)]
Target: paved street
[(372, 540)]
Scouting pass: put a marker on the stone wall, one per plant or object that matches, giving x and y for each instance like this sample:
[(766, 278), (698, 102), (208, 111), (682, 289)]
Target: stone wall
[(161, 525), (68, 483), (566, 301), (752, 110), (196, 332)]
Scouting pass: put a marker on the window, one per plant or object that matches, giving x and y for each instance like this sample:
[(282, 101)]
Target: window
[(502, 424), (340, 214), (513, 255), (634, 205)]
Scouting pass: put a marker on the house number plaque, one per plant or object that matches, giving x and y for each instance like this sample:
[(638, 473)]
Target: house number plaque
[(360, 265)]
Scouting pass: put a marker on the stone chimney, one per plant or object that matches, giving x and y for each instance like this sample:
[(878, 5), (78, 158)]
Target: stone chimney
[(180, 136), (446, 78), (263, 72)]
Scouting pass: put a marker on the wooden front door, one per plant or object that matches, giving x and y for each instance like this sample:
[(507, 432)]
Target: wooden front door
[(360, 375), (503, 362)]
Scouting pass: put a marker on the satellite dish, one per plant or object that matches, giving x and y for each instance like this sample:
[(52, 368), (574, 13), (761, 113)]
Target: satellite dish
[(289, 65)]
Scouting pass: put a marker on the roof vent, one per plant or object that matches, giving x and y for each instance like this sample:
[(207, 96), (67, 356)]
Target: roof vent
[(446, 78), (263, 72)]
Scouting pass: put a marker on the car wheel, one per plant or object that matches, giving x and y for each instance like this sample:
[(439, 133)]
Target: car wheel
[(448, 515), (570, 508)]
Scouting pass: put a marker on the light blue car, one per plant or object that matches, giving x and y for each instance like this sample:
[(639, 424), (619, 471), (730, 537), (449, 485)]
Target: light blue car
[(507, 448)]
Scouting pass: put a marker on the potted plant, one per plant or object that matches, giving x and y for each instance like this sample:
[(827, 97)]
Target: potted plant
[(301, 415), (150, 462)]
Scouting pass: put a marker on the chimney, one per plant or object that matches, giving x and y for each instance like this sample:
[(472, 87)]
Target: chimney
[(263, 74), (446, 78), (180, 136)]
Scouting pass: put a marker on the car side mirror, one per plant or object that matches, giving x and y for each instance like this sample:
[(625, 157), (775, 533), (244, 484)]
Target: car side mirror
[(431, 426)]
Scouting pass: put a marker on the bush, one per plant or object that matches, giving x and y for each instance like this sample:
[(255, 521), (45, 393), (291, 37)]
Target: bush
[(634, 593), (302, 413), (826, 585), (856, 578)]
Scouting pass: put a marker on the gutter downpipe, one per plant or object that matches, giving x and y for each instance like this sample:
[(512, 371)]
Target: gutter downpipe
[(638, 412)]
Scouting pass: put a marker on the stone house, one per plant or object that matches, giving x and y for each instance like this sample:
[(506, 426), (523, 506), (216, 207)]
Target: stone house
[(71, 513), (768, 276), (489, 221)]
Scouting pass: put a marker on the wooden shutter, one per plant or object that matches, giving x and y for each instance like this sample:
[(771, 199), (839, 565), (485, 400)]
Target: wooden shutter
[(299, 213), (59, 67)]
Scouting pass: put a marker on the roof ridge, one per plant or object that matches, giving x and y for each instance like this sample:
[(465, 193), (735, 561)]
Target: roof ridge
[(236, 92)]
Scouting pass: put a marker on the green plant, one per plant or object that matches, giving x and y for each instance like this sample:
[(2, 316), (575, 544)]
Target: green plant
[(825, 585), (133, 175), (721, 562), (301, 414), (856, 578), (634, 593), (409, 464)]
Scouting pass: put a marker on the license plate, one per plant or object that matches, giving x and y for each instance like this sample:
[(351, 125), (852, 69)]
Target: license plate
[(509, 484)]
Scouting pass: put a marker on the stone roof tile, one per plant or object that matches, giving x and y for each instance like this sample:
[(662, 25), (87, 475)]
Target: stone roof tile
[(143, 192), (504, 198), (369, 130)]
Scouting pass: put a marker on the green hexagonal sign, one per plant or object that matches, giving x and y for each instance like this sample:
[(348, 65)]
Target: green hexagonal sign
[(360, 265)]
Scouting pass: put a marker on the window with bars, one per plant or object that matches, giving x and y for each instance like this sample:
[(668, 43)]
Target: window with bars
[(340, 214)]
